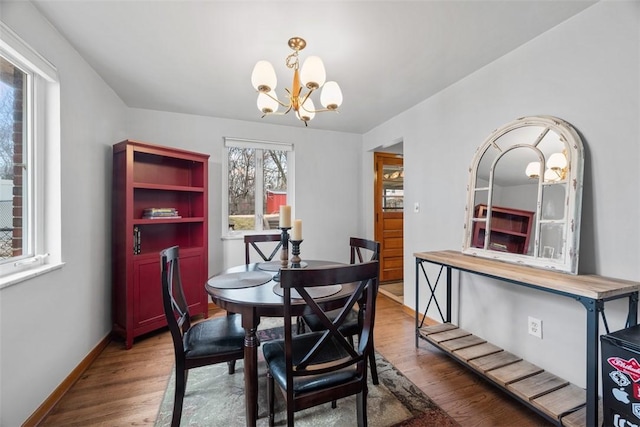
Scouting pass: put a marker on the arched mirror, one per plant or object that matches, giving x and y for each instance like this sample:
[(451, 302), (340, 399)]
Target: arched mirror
[(524, 195)]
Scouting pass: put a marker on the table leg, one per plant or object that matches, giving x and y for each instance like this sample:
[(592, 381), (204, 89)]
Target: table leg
[(250, 372), (417, 309), (594, 308)]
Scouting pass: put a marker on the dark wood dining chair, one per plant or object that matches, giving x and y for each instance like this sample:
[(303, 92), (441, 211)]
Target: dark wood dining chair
[(361, 251), (208, 342), (320, 367), (253, 240)]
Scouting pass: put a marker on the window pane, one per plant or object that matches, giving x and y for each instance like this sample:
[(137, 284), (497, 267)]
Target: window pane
[(275, 186), (13, 186), (392, 188), (551, 241), (242, 195)]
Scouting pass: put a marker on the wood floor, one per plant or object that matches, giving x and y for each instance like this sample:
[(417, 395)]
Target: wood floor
[(394, 290), (125, 387)]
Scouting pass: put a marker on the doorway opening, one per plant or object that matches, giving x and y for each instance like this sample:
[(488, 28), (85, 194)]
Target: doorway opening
[(389, 220)]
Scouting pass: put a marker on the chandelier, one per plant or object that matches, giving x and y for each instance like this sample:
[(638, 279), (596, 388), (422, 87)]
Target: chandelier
[(556, 168), (311, 77)]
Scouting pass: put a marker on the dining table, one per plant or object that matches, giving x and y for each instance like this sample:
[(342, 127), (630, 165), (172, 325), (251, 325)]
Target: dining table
[(253, 291)]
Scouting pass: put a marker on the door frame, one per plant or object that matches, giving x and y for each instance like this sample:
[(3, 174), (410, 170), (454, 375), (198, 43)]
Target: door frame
[(380, 158)]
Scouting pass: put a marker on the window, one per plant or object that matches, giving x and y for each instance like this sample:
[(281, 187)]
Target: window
[(29, 122), (257, 181)]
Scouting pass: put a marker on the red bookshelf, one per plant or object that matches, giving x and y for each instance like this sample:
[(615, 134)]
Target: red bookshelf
[(510, 229), (151, 176)]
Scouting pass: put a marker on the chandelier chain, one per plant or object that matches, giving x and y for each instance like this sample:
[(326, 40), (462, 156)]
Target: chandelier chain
[(292, 60)]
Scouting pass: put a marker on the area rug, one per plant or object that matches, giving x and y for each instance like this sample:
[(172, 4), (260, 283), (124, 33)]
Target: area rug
[(215, 398)]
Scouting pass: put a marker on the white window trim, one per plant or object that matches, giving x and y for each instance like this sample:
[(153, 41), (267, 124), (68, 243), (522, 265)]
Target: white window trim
[(45, 191), (257, 144)]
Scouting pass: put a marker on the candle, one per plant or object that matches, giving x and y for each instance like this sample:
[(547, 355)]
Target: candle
[(285, 216), (296, 232)]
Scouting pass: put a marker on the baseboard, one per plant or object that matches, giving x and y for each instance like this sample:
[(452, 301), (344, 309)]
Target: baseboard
[(392, 297), (39, 415), (412, 313)]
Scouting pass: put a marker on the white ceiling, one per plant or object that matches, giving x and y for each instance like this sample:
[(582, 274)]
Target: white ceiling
[(196, 57)]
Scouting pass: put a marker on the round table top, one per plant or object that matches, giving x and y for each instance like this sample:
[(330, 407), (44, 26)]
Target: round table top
[(264, 299)]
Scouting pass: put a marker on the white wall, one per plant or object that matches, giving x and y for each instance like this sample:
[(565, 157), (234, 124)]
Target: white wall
[(50, 323), (586, 71), (327, 192)]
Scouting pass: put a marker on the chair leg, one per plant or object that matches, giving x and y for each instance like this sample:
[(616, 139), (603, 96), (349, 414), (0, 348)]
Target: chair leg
[(178, 398), (290, 415), (232, 366), (361, 403), (270, 398), (373, 368)]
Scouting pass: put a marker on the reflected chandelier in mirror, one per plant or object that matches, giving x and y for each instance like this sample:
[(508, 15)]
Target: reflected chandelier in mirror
[(525, 195)]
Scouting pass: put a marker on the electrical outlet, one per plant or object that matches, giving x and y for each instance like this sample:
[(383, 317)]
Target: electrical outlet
[(535, 327)]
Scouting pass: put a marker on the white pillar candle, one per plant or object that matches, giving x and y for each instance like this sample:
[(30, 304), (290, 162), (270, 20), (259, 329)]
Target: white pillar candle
[(285, 216), (296, 232)]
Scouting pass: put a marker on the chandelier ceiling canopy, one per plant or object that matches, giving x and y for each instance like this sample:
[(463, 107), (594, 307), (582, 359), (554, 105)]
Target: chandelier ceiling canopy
[(306, 80)]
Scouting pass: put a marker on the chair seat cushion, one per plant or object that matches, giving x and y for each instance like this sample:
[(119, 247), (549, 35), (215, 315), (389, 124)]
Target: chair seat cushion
[(274, 356), (214, 336), (348, 328)]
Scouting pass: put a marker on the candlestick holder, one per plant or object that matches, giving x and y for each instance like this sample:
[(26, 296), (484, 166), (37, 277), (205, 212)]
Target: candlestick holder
[(284, 250), (295, 250)]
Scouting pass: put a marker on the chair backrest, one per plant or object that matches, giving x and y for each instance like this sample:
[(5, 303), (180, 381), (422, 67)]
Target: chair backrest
[(365, 278), (357, 246), (252, 240), (175, 305)]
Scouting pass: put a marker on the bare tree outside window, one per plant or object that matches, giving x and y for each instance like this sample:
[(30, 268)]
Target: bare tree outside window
[(257, 187)]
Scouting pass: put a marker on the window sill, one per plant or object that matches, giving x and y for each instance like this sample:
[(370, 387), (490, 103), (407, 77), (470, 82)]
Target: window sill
[(233, 235), (14, 279), (239, 235)]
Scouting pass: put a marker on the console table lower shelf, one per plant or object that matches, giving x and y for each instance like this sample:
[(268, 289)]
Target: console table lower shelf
[(557, 399)]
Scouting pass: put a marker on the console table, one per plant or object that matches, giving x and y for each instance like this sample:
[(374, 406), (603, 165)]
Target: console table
[(553, 398)]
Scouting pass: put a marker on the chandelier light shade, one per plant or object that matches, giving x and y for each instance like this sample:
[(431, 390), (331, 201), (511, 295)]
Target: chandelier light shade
[(557, 162), (306, 80), (331, 96), (308, 111), (266, 103), (556, 168), (264, 77), (313, 74), (533, 170)]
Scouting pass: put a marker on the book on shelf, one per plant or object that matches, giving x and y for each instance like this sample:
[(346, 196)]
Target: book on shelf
[(159, 210), (136, 240), (153, 213)]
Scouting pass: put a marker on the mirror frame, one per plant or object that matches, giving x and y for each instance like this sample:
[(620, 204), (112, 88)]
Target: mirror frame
[(573, 180)]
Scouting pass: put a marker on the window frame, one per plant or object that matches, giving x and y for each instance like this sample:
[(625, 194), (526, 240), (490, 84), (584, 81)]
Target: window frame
[(257, 145), (42, 141)]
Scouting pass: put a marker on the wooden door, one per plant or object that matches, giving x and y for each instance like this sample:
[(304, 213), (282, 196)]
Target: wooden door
[(388, 204)]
